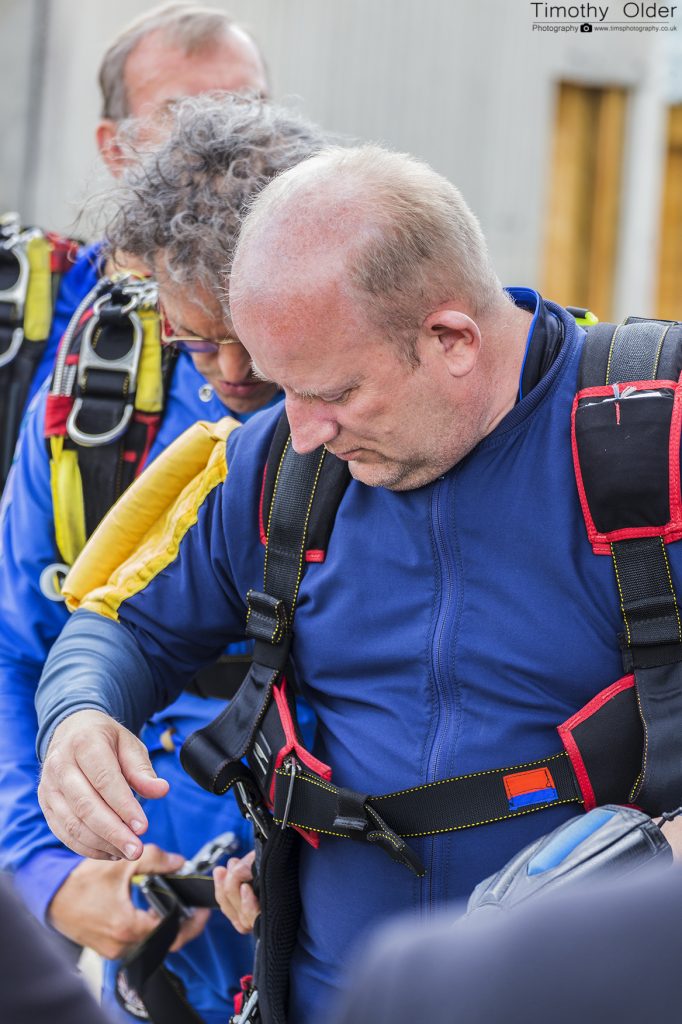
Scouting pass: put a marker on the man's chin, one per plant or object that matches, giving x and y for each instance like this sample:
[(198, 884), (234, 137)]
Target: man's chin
[(377, 474), (391, 475)]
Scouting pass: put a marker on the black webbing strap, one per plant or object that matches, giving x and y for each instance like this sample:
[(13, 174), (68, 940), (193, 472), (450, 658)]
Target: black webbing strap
[(15, 383), (19, 358), (645, 350), (208, 753), (270, 613), (223, 679), (647, 595), (143, 978), (465, 801), (104, 395)]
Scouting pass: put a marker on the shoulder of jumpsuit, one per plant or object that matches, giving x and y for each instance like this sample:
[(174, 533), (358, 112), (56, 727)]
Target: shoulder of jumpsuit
[(30, 621), (568, 358), (562, 374), (74, 286)]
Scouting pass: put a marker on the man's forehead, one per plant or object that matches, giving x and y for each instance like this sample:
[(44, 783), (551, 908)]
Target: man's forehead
[(160, 71)]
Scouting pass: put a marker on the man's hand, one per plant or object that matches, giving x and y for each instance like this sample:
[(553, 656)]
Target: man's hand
[(234, 892), (93, 906), (672, 830), (91, 764)]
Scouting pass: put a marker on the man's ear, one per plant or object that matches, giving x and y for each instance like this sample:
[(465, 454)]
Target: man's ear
[(458, 338), (106, 137)]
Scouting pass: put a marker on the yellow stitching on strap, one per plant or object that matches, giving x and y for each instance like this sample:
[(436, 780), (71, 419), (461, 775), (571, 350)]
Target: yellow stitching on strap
[(38, 309), (611, 350), (67, 501), (441, 831), (620, 594), (141, 535), (672, 589)]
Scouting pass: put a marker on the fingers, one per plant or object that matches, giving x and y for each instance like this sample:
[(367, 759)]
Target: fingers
[(88, 807), (155, 861), (191, 927), (234, 892), (71, 831), (137, 768), (83, 792)]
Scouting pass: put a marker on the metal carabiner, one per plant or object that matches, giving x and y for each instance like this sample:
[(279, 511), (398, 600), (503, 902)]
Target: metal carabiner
[(251, 812), (89, 360), (210, 853), (15, 296), (12, 350), (15, 244)]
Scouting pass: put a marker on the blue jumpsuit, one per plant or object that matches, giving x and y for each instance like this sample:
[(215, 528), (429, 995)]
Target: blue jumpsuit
[(449, 630), (29, 624)]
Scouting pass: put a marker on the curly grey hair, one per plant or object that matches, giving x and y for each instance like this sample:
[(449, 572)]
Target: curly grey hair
[(180, 206), (192, 27)]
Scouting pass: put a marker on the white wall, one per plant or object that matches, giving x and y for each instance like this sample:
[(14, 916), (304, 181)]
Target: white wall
[(464, 84)]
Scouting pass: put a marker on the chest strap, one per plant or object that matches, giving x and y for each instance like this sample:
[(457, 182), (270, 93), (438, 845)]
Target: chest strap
[(31, 267)]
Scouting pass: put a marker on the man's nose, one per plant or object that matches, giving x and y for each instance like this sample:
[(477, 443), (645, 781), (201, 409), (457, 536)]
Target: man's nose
[(234, 362), (312, 423)]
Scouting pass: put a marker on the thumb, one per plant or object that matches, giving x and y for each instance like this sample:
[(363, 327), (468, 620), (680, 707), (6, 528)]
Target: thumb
[(137, 768), (155, 861)]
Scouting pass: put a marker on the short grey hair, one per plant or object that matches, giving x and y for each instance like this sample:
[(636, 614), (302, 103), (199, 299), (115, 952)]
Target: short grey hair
[(412, 241), (190, 26), (184, 201)]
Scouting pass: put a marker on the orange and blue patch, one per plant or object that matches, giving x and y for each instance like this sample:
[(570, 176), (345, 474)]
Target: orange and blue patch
[(525, 789)]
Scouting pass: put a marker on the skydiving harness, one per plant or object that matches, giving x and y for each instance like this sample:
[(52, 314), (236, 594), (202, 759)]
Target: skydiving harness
[(107, 399), (622, 747), (105, 404), (32, 263)]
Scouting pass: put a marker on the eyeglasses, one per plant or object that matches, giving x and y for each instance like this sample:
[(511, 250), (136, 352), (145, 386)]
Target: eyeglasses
[(190, 342)]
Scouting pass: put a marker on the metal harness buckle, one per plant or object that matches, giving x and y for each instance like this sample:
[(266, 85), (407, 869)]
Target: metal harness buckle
[(128, 363), (15, 296), (251, 812), (249, 1014), (210, 853)]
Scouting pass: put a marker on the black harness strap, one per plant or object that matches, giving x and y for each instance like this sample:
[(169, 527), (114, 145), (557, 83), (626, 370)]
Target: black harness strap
[(144, 986), (223, 679), (213, 754), (446, 806), (20, 355), (103, 396), (636, 352), (208, 753)]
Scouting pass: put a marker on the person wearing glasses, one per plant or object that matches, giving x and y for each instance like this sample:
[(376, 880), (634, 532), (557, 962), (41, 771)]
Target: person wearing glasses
[(188, 187)]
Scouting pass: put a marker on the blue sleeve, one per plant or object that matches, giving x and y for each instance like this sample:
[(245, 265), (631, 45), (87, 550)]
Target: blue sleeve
[(73, 288), (96, 664), (179, 622), (29, 623)]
